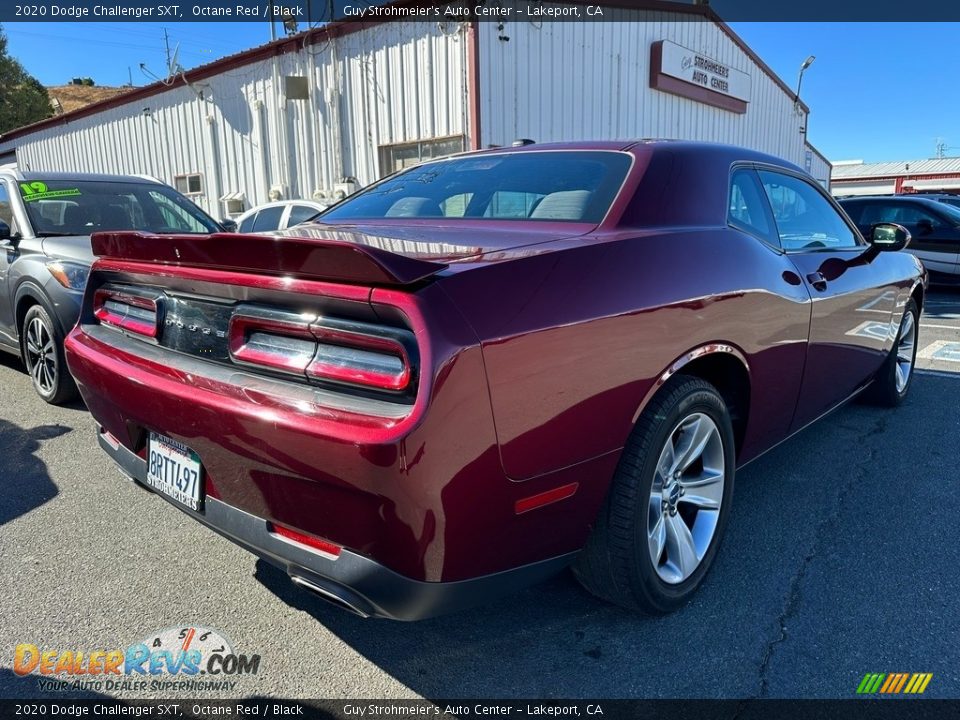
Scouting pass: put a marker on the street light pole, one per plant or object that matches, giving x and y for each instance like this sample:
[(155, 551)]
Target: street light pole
[(806, 63)]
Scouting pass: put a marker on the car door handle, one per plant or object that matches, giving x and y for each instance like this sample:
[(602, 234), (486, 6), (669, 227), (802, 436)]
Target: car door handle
[(818, 281)]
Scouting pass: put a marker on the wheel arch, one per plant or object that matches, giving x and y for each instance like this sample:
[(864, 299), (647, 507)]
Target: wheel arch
[(724, 366), (28, 295)]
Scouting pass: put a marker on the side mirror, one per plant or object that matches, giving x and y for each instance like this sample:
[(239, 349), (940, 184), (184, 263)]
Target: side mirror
[(229, 226), (7, 238), (889, 237)]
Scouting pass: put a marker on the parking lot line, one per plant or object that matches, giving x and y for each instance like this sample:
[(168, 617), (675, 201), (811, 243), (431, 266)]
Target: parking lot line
[(938, 373), (939, 327)]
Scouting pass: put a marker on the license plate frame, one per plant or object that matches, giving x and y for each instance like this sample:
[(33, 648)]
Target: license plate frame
[(175, 470)]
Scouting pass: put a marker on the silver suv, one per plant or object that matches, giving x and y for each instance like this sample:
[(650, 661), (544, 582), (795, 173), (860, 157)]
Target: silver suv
[(46, 220)]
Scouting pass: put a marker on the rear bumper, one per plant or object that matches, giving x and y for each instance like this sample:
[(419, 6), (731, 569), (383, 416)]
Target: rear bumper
[(352, 581)]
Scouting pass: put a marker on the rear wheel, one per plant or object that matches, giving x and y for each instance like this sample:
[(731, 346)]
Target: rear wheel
[(661, 524), (893, 380), (41, 346)]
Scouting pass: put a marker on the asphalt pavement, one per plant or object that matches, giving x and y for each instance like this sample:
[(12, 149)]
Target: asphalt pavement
[(842, 558)]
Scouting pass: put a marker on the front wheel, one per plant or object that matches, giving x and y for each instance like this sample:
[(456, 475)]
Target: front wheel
[(668, 505), (893, 380), (41, 346)]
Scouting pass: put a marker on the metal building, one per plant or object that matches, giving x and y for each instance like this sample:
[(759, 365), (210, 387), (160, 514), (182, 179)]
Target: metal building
[(855, 177), (323, 112)]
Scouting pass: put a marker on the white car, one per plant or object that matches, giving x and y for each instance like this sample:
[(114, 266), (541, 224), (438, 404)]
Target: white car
[(278, 215)]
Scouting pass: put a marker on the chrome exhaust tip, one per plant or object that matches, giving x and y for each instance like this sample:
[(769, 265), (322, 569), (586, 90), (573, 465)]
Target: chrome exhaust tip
[(334, 595)]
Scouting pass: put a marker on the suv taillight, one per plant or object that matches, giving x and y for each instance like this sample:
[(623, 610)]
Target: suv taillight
[(324, 350), (126, 311)]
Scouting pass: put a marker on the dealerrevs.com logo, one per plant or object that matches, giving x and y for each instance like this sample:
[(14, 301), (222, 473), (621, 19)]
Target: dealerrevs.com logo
[(183, 658)]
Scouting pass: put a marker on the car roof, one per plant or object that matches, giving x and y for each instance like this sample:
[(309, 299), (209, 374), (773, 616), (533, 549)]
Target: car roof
[(922, 199), (731, 153), (89, 177)]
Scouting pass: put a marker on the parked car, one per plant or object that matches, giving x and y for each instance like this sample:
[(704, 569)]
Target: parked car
[(45, 224), (946, 198), (278, 215), (934, 226), (486, 368)]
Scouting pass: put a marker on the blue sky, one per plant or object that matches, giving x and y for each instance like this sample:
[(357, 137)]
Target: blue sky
[(880, 91)]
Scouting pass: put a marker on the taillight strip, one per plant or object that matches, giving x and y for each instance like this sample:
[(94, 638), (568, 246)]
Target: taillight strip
[(311, 542), (126, 311), (323, 350)]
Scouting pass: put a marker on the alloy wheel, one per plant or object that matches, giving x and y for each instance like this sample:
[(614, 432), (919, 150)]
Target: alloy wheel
[(41, 356), (685, 498), (906, 341)]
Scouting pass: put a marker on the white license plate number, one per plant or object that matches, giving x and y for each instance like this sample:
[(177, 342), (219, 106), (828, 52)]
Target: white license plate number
[(174, 469)]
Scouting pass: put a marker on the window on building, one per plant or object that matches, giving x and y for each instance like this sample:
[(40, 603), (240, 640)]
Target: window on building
[(403, 155), (191, 184)]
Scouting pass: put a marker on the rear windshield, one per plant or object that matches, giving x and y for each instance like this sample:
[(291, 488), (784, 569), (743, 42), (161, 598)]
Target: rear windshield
[(566, 186), (70, 207)]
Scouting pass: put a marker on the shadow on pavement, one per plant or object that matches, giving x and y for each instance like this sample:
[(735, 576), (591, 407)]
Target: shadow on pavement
[(16, 687), (26, 482), (828, 532)]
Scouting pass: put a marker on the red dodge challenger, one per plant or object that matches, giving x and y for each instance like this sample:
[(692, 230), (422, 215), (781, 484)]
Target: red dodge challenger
[(485, 368)]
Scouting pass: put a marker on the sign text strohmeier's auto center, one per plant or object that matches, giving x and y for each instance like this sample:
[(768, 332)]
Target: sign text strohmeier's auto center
[(681, 71)]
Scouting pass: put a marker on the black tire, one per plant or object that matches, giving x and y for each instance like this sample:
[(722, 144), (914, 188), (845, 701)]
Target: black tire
[(885, 390), (616, 564), (41, 347)]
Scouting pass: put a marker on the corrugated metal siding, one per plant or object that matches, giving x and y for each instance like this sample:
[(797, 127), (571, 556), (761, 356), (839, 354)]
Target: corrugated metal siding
[(591, 80), (391, 83), (933, 166)]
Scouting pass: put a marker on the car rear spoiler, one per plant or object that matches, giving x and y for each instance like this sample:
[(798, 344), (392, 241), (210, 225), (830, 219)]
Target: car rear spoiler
[(306, 258)]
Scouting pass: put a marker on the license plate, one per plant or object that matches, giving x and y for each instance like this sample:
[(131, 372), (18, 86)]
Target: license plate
[(174, 469)]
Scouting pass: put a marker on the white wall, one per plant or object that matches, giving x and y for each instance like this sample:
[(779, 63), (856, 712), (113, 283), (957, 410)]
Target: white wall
[(591, 80), (390, 83)]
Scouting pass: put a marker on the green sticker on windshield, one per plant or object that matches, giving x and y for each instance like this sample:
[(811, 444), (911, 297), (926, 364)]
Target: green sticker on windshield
[(37, 190)]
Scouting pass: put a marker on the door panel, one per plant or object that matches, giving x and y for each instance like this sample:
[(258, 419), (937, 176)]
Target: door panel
[(853, 292), (851, 325)]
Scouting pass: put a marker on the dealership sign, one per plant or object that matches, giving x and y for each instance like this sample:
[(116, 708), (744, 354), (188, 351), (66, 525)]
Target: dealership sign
[(681, 71)]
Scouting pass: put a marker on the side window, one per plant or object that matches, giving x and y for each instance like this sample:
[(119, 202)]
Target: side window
[(247, 225), (853, 210), (175, 218), (268, 219), (805, 219), (747, 208), (6, 211), (913, 215), (300, 213)]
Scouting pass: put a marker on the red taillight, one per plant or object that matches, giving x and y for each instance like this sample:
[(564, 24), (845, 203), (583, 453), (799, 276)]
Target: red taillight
[(361, 359), (323, 350), (126, 311), (278, 341), (313, 543)]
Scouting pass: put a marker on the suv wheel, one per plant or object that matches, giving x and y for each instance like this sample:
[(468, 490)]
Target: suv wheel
[(41, 346)]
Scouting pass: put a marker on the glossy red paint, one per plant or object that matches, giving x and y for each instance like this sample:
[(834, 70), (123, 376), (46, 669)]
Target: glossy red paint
[(539, 344)]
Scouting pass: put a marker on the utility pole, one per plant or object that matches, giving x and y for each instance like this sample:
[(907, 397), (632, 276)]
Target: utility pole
[(166, 45)]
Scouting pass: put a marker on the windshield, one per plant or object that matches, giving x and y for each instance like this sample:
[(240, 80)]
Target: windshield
[(82, 207), (567, 186)]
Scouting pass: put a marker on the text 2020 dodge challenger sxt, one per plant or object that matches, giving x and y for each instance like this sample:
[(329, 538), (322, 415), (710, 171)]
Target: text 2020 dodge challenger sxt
[(487, 367)]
